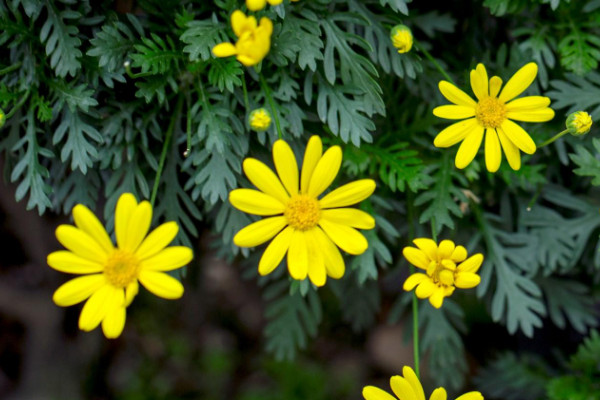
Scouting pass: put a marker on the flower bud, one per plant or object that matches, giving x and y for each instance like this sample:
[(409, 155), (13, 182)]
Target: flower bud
[(2, 118), (402, 38), (579, 123), (259, 120)]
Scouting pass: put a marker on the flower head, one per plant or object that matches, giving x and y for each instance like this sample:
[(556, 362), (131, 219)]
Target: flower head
[(492, 114), (402, 38), (303, 226), (408, 387), (446, 267), (579, 123), (256, 5), (254, 41), (259, 120), (111, 274)]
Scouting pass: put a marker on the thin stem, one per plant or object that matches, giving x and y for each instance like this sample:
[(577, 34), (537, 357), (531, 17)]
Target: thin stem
[(434, 62), (554, 138), (166, 143), (246, 103), (9, 69), (17, 106), (188, 127), (433, 231), (415, 305), (267, 90)]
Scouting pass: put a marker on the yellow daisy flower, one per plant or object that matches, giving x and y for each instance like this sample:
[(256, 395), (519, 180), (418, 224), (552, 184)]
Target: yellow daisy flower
[(446, 267), (408, 387), (492, 113), (303, 226), (255, 5), (111, 274), (254, 41)]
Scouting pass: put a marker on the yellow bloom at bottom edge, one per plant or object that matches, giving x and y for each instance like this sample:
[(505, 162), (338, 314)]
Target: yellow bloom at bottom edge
[(408, 387), (111, 274)]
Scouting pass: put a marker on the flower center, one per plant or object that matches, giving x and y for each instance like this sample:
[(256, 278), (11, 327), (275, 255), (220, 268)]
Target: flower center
[(442, 272), (121, 268), (490, 112), (303, 212)]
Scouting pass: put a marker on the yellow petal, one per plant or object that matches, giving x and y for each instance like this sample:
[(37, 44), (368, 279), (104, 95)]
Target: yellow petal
[(455, 133), (259, 232), (445, 249), (168, 259), (454, 112), (138, 225), (254, 202), (297, 256), (459, 254), (411, 377), (518, 136), (428, 247), (471, 264), (71, 263), (349, 216), (493, 154), (80, 243), (161, 284), (126, 205), (131, 291), (286, 165), (479, 82), (495, 85), (114, 322), (348, 194), (240, 23), (374, 393), (247, 60), (538, 115), (412, 281), (334, 262), (439, 393), (225, 49), (96, 307), (510, 150), (466, 280), (87, 222), (402, 389), (275, 2), (416, 257), (345, 237), (264, 179), (470, 396), (519, 82), (312, 155), (275, 251), (437, 299), (78, 289), (157, 240), (316, 263), (425, 289), (325, 171), (265, 28), (528, 103), (255, 5), (455, 95), (468, 148)]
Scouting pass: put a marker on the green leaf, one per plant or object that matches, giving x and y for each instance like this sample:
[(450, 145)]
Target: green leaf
[(291, 320), (577, 93), (588, 164), (214, 175), (396, 5), (155, 55), (540, 45), (62, 43), (359, 303), (201, 37), (307, 37), (155, 86), (579, 51), (112, 44), (569, 300), (225, 73), (587, 357), (76, 97), (77, 148)]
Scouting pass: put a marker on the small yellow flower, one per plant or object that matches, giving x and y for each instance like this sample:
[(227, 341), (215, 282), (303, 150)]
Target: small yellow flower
[(303, 226), (259, 120), (255, 5), (492, 114), (402, 38), (446, 267), (254, 41), (579, 123), (408, 387), (111, 274)]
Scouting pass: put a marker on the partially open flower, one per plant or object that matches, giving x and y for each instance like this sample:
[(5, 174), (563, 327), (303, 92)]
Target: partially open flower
[(402, 38), (579, 123), (259, 120)]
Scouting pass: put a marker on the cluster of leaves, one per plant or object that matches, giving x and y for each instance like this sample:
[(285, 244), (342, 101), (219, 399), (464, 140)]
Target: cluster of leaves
[(101, 100)]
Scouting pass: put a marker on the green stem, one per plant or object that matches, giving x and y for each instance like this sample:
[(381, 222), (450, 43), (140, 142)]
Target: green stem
[(415, 305), (9, 69), (163, 155), (554, 138), (17, 106), (246, 103), (267, 90), (188, 127), (433, 231), (434, 62)]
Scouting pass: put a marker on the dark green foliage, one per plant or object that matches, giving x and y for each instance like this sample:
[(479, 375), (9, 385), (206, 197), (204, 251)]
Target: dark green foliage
[(588, 164)]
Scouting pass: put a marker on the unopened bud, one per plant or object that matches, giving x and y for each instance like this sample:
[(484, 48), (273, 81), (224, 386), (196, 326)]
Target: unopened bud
[(402, 38), (579, 123), (259, 120)]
